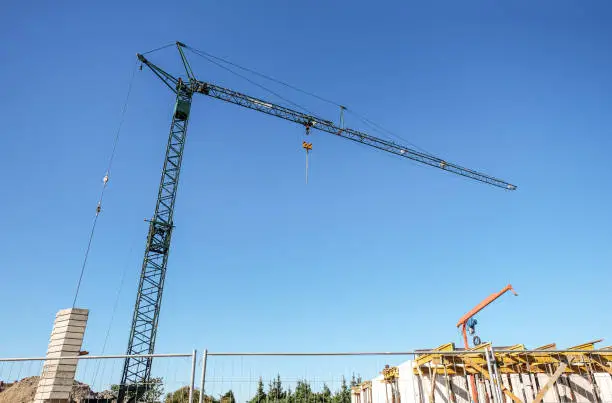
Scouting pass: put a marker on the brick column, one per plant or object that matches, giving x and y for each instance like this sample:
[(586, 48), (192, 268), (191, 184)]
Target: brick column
[(57, 376)]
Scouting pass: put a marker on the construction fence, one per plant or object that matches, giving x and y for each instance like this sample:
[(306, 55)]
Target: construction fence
[(445, 374), (97, 378)]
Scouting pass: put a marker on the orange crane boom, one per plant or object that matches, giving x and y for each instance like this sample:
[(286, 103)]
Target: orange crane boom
[(484, 304), (465, 318)]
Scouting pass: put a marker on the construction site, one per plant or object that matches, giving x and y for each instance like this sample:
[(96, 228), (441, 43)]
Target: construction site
[(367, 310)]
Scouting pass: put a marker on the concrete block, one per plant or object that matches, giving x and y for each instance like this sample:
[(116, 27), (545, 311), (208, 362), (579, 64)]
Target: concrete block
[(62, 388), (70, 316), (62, 375), (42, 396), (60, 353), (62, 339), (76, 311), (59, 395), (59, 340), (64, 348), (67, 323), (54, 371), (44, 389), (61, 365), (44, 383), (69, 332)]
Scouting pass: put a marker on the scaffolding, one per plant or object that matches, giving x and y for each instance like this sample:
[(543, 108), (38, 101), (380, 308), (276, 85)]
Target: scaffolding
[(581, 373)]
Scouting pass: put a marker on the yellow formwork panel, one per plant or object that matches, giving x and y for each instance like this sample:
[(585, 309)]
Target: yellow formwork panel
[(425, 358), (390, 374), (516, 360)]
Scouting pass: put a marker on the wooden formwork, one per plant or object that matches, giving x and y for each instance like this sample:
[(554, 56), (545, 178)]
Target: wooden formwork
[(580, 373)]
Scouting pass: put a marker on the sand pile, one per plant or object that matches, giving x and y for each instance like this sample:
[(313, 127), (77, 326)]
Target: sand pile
[(23, 391)]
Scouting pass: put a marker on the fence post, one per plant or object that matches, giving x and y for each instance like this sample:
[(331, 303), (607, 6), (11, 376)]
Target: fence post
[(194, 357), (203, 380)]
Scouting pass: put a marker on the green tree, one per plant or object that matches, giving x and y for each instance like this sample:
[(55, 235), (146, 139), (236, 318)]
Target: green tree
[(228, 397), (182, 395), (289, 396), (326, 395), (260, 396), (207, 398), (275, 390), (303, 392), (153, 393), (179, 395), (344, 394)]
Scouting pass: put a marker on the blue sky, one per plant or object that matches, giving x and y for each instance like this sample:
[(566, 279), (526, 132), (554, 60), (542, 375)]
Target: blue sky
[(376, 252)]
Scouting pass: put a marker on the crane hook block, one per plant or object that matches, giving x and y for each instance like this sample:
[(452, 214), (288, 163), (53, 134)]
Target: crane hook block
[(181, 110)]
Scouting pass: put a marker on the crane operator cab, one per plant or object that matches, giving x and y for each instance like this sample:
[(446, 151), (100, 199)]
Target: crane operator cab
[(181, 110)]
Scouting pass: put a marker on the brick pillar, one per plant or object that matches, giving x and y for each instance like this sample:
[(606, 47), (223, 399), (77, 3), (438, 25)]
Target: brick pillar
[(66, 339)]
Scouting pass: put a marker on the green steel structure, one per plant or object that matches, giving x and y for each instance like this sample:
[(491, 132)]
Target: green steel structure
[(137, 370)]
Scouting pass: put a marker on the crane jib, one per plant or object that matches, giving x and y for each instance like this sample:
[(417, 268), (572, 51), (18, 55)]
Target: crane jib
[(314, 122)]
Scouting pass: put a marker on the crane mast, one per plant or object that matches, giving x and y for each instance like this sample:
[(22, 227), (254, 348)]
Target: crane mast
[(137, 370)]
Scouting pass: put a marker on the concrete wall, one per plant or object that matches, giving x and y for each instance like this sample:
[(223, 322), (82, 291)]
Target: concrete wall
[(573, 388)]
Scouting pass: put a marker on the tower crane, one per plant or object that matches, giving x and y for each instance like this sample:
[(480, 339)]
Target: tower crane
[(137, 370)]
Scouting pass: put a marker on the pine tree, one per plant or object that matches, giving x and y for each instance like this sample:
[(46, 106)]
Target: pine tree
[(275, 390), (228, 397), (325, 395), (344, 394), (303, 392), (261, 396)]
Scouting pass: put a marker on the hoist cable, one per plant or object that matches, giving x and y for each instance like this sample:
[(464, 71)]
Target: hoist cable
[(251, 81), (378, 128), (160, 48), (265, 76), (105, 182), (373, 125), (114, 311)]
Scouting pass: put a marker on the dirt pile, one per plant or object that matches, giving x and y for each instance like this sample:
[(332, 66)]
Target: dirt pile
[(81, 391), (23, 391)]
